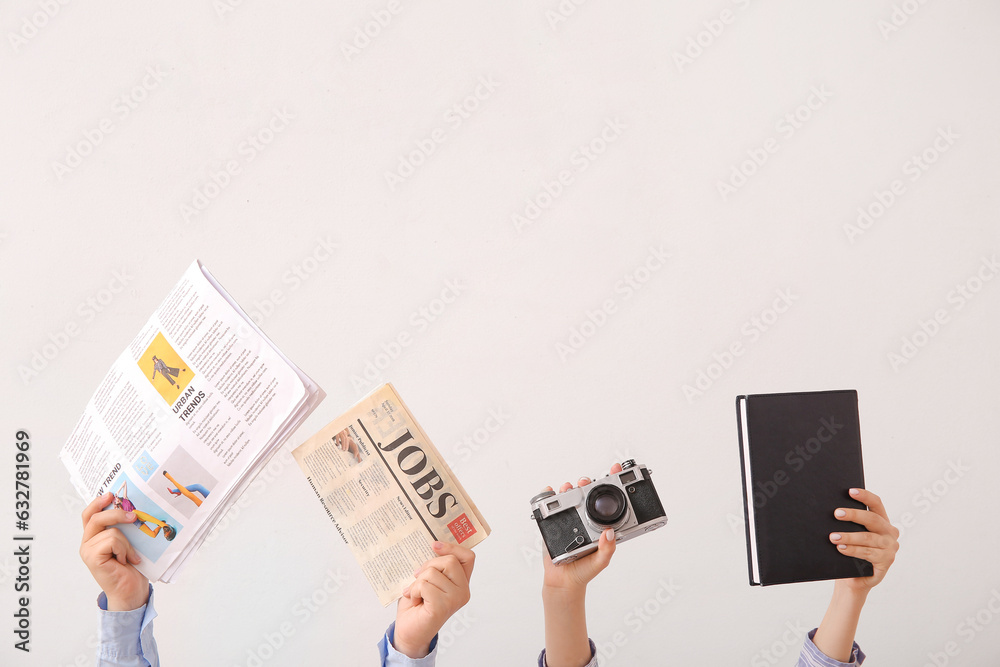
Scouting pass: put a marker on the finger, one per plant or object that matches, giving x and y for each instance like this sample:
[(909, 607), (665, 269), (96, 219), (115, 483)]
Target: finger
[(862, 539), (594, 562), (105, 518), (873, 522), (95, 506), (451, 568), (465, 556), (606, 546), (416, 592), (102, 547), (874, 503), (134, 556), (583, 481), (616, 468), (870, 554), (565, 487), (119, 547), (435, 583)]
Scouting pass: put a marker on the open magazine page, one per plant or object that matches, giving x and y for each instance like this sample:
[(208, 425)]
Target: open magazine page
[(180, 417), (387, 490)]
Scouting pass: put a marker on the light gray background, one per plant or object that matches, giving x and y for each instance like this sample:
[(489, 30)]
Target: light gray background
[(226, 73)]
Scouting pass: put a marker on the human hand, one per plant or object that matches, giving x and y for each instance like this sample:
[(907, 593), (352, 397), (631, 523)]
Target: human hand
[(110, 558), (441, 589), (878, 545), (573, 577)]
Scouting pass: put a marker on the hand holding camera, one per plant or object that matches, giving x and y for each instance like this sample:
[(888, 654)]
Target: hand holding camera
[(576, 574), (581, 527)]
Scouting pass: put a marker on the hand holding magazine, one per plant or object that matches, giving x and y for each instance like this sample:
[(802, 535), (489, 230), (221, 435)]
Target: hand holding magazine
[(187, 416), (388, 491)]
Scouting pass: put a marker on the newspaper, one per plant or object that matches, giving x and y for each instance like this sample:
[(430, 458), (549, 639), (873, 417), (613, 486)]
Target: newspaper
[(388, 491), (185, 419)]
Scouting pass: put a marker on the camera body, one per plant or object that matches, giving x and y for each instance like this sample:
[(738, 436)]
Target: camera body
[(572, 522)]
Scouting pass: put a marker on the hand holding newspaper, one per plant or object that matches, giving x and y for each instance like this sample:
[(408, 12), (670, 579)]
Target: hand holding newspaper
[(388, 491), (187, 416)]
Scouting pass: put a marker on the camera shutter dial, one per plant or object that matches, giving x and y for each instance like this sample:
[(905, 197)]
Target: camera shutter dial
[(541, 496)]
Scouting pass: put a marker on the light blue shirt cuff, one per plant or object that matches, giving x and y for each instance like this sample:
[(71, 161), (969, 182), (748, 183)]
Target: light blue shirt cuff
[(813, 657), (593, 656), (393, 658), (125, 638)]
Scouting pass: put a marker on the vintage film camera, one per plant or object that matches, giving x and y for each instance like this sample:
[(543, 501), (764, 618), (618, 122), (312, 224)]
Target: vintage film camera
[(572, 522)]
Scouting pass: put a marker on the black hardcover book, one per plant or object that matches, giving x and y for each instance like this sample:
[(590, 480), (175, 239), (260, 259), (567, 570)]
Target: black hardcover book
[(800, 453)]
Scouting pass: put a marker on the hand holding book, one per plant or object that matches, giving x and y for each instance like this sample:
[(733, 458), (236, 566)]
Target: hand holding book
[(878, 545)]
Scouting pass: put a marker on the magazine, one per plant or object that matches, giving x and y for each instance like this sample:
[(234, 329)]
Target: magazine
[(388, 491), (187, 416)]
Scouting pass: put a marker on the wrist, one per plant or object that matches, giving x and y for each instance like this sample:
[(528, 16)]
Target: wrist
[(564, 595), (848, 595), (411, 647), (127, 603)]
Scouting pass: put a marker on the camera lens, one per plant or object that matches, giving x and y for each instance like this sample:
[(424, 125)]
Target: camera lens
[(606, 505)]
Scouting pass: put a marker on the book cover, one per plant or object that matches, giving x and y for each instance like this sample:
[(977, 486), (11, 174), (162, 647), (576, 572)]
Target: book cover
[(800, 453)]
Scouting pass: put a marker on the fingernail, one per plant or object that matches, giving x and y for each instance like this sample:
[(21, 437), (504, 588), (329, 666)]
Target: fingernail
[(438, 546), (835, 537), (609, 535), (406, 591), (840, 514), (842, 547), (130, 516), (138, 557), (855, 492), (416, 572)]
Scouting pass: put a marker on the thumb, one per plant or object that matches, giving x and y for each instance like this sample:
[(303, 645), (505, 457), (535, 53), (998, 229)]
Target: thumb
[(606, 546), (133, 555), (463, 554)]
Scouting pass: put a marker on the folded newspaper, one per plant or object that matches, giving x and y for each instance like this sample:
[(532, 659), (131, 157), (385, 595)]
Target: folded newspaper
[(388, 491), (187, 416)]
